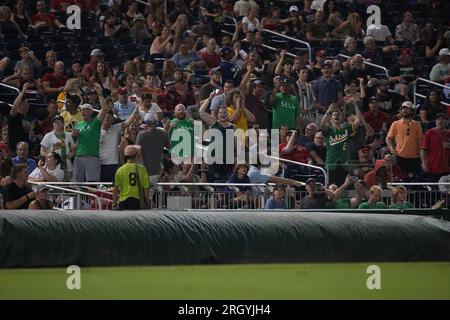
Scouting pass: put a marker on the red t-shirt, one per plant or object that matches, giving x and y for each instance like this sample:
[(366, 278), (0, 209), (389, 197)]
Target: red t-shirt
[(211, 60), (437, 143), (88, 70), (61, 5), (299, 153), (48, 18), (376, 120), (54, 82)]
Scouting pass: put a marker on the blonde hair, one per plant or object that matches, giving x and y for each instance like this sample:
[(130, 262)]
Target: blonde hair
[(396, 191), (373, 189)]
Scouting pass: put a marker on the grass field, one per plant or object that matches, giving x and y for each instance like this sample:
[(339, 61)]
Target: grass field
[(280, 281)]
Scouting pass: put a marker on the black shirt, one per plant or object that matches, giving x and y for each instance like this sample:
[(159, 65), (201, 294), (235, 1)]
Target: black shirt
[(317, 201), (16, 131), (13, 192)]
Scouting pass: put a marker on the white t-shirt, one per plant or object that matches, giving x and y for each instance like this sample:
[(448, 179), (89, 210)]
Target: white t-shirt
[(379, 34), (58, 173), (250, 25), (50, 138), (109, 144), (153, 109), (318, 5)]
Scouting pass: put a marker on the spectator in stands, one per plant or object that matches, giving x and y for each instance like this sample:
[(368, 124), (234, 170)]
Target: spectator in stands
[(317, 150), (379, 176), (374, 201), (307, 100), (399, 196), (210, 54), (87, 134), (407, 31), (327, 90), (432, 37), (381, 33), (9, 29), (16, 120), (128, 138), (53, 83), (352, 27), (24, 75), (22, 156), (17, 195), (110, 134), (435, 149), (177, 128), (21, 16), (103, 76), (317, 30), (403, 72), (308, 13), (376, 118), (349, 49), (44, 19), (318, 197), (295, 25), (187, 59), (243, 7), (88, 69), (163, 44), (389, 101), (5, 151), (238, 114), (41, 202), (357, 70), (255, 104), (72, 114), (49, 65), (213, 84), (60, 5), (276, 201), (285, 106), (441, 70), (337, 133), (180, 28), (227, 66), (60, 142), (365, 162), (374, 54), (152, 142), (361, 194), (407, 134), (48, 169), (27, 58), (430, 109), (131, 183), (333, 17)]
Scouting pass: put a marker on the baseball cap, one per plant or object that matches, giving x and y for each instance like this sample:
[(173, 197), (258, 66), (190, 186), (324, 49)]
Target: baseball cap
[(327, 63), (293, 8), (151, 117), (226, 50), (214, 71), (373, 98), (96, 52), (122, 90), (310, 180), (409, 104), (257, 82), (58, 118), (86, 106), (138, 17), (188, 33), (444, 52), (40, 187), (442, 115), (284, 81)]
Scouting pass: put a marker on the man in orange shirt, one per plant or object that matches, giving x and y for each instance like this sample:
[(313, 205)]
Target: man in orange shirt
[(407, 135)]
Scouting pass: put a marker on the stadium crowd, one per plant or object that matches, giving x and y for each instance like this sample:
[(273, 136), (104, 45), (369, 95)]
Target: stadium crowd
[(117, 91)]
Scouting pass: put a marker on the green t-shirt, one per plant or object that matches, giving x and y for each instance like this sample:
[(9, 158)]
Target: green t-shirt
[(285, 111), (184, 124), (343, 203), (127, 180), (406, 205), (368, 205), (336, 143), (88, 141)]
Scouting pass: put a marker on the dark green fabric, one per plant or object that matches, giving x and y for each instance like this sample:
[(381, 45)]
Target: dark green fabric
[(38, 239)]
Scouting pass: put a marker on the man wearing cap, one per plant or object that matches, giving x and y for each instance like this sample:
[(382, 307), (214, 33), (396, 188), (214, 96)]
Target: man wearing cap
[(169, 98), (285, 107), (62, 143), (228, 68), (219, 100), (407, 135), (41, 202), (389, 101), (87, 134), (88, 69), (152, 142), (327, 89), (318, 197), (435, 149), (122, 107), (441, 70), (148, 106), (376, 118), (215, 75), (403, 72), (71, 114), (131, 182), (276, 201)]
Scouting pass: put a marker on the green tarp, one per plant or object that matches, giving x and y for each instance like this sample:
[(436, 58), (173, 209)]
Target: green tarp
[(88, 238)]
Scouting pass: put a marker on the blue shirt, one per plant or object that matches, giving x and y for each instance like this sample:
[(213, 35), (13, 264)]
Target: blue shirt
[(124, 111), (272, 204), (31, 164), (183, 61), (326, 91)]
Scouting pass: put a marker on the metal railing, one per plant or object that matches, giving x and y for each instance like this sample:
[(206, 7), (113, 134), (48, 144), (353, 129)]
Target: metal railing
[(304, 165), (292, 39), (367, 63), (10, 87), (429, 82)]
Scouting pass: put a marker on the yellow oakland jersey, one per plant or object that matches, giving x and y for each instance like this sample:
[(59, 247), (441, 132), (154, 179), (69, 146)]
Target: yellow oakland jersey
[(127, 180)]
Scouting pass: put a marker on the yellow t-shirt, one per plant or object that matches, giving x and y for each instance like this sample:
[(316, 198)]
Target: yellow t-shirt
[(241, 122), (127, 180), (71, 120)]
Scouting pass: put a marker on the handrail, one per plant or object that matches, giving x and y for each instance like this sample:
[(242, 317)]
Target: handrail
[(10, 87), (212, 184), (430, 82), (292, 39), (275, 49), (97, 198), (368, 63), (419, 183), (304, 165)]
